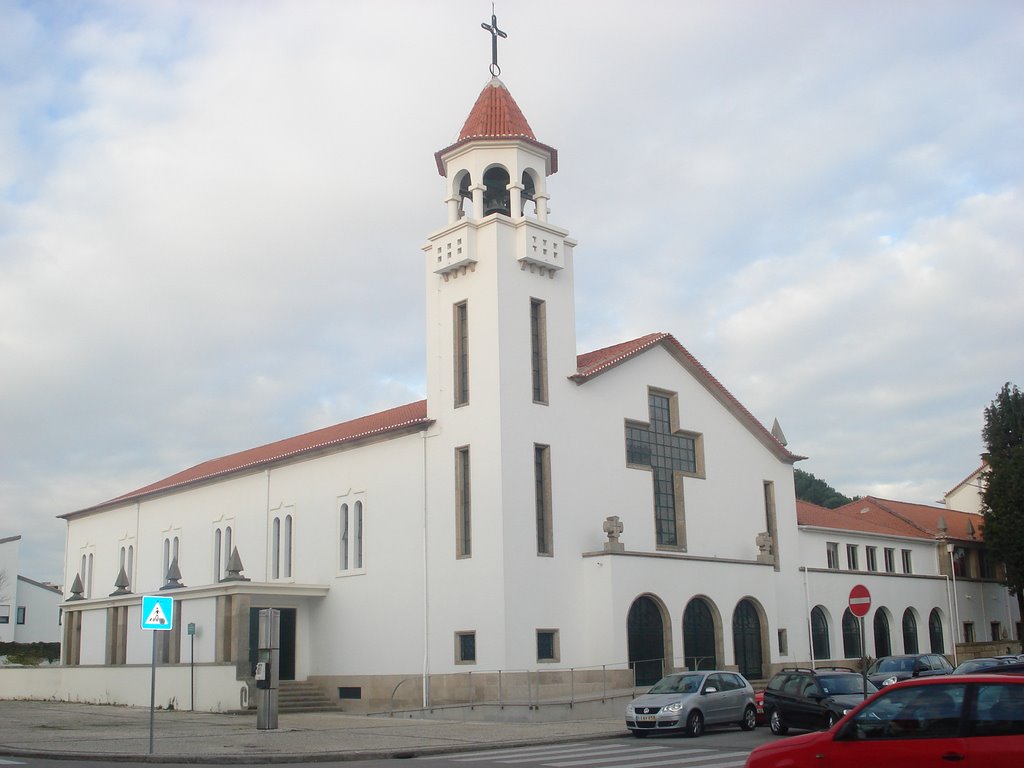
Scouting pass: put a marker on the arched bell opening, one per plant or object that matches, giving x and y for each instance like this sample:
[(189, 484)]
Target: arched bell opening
[(496, 193), (529, 192), (463, 192)]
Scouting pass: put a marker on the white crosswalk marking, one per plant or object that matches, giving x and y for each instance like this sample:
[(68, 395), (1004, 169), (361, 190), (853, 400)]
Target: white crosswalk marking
[(10, 762), (606, 755)]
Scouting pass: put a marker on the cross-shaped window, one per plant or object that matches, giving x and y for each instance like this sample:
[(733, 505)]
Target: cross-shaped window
[(669, 453)]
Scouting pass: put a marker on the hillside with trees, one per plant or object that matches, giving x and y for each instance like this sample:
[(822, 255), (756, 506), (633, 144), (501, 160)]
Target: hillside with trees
[(811, 489)]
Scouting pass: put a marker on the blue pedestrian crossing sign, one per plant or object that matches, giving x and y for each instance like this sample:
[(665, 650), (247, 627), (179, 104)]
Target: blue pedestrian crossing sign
[(157, 612)]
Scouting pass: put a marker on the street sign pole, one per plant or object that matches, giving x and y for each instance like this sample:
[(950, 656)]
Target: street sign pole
[(152, 693), (157, 615), (860, 603)]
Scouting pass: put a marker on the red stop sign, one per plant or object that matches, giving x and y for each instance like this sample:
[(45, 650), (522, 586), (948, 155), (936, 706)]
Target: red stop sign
[(860, 600)]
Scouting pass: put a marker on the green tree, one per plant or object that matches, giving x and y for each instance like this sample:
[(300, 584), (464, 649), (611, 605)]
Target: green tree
[(1003, 483), (809, 488)]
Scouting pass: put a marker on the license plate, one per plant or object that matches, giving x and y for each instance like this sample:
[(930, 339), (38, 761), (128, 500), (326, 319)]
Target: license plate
[(646, 718)]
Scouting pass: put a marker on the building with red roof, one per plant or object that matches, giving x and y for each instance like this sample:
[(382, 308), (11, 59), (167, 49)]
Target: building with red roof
[(618, 511)]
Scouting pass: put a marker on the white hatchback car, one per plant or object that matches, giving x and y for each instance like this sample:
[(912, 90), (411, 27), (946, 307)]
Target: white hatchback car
[(689, 701)]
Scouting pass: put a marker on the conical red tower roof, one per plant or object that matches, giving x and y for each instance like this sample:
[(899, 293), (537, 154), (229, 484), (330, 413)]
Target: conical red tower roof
[(495, 115)]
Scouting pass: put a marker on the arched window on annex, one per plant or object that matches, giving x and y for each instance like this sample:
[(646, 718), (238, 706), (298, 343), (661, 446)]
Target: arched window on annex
[(910, 641), (820, 645), (702, 634), (750, 638), (935, 635), (649, 634), (883, 636), (851, 636)]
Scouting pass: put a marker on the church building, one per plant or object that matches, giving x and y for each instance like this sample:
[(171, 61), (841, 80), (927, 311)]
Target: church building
[(545, 520)]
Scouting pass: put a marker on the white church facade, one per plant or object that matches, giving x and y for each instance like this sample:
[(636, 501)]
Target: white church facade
[(572, 522)]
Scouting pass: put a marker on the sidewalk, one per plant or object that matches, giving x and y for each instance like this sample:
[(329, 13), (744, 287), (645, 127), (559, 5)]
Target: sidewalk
[(59, 730)]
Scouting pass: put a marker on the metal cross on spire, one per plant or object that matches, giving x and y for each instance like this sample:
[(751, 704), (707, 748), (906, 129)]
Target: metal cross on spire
[(495, 34)]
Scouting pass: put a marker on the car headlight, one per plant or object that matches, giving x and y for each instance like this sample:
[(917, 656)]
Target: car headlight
[(846, 712), (630, 710), (673, 707), (889, 680)]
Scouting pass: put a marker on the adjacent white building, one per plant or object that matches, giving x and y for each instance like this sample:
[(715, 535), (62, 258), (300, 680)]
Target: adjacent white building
[(29, 610)]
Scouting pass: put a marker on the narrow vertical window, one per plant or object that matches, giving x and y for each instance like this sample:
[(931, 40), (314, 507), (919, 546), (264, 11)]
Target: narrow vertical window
[(21, 619), (907, 565), (461, 352), (166, 560), (852, 561), (227, 548), (174, 550), (539, 350), (131, 563), (288, 546), (771, 522), (542, 491), (88, 580), (832, 555), (275, 549), (357, 552), (890, 559), (872, 558), (218, 543), (463, 506), (343, 538)]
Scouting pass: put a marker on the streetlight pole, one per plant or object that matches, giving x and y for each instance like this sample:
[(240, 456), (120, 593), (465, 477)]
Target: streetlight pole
[(956, 602)]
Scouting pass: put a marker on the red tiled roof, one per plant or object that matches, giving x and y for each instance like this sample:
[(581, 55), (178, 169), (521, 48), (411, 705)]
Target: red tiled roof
[(900, 518), (413, 415), (591, 364), (495, 115), (958, 525), (861, 515)]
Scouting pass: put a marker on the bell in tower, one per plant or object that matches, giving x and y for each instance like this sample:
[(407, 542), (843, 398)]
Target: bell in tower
[(496, 194)]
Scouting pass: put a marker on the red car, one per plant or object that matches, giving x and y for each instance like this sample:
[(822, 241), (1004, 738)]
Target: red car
[(972, 721)]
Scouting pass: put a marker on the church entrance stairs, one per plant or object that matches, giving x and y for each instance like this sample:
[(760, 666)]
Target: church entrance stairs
[(303, 696)]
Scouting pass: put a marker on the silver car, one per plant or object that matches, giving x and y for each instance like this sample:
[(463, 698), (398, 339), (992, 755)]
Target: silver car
[(688, 701)]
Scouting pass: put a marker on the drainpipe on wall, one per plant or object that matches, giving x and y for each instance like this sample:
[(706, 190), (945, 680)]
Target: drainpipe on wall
[(807, 613), (426, 592)]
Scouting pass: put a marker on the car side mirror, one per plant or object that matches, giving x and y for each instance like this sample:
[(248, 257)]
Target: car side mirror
[(711, 689)]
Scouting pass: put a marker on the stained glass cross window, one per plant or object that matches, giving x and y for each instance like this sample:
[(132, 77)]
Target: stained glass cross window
[(665, 451)]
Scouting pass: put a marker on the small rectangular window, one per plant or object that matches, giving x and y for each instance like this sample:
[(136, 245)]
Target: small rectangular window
[(995, 627), (907, 565), (547, 645), (890, 560), (542, 493), (783, 643), (968, 631), (832, 555), (851, 557), (539, 351), (465, 647), (871, 555), (5, 614), (461, 352), (21, 614), (463, 504)]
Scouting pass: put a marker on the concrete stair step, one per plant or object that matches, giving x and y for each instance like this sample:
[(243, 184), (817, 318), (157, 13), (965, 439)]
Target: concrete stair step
[(302, 696)]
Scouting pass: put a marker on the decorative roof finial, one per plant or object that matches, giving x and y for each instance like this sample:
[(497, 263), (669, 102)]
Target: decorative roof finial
[(495, 34)]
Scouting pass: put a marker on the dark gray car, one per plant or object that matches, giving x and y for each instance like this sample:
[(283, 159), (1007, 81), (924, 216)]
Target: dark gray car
[(887, 670), (688, 701)]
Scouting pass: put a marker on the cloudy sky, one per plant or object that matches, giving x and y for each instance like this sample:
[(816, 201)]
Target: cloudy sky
[(211, 216)]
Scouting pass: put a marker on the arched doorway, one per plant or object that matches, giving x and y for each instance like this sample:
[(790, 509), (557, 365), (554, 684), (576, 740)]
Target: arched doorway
[(910, 644), (646, 638), (935, 632), (819, 634), (883, 645), (746, 638), (851, 636), (699, 636)]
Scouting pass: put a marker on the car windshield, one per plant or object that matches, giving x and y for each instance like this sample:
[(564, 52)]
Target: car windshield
[(678, 684), (842, 685), (892, 664)]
